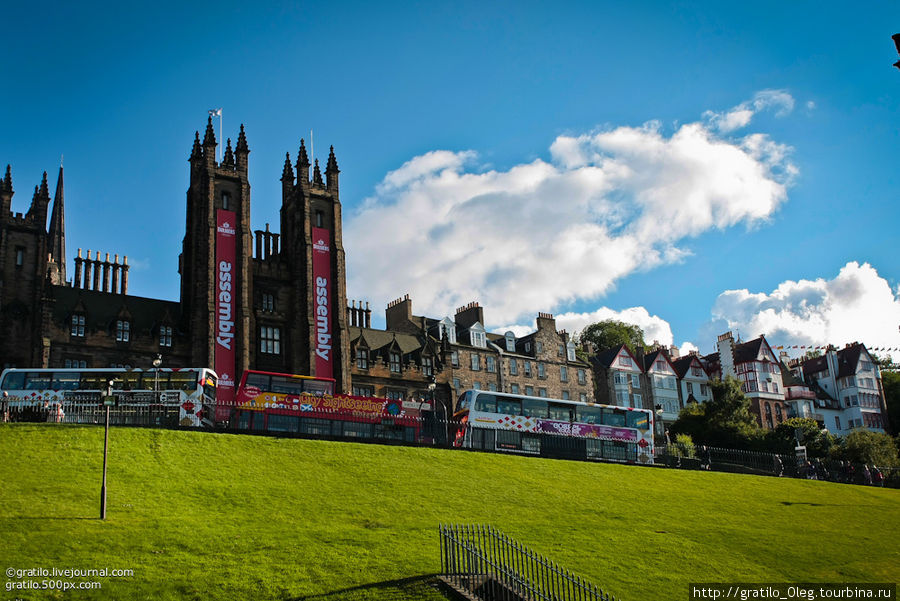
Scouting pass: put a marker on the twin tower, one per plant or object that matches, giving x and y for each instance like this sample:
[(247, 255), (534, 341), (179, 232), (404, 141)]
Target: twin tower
[(260, 299)]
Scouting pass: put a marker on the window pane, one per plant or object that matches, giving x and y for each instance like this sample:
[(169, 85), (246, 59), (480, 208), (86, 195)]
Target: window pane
[(486, 402), (509, 406)]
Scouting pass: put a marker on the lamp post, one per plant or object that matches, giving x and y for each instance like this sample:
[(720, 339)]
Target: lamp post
[(108, 400), (156, 363)]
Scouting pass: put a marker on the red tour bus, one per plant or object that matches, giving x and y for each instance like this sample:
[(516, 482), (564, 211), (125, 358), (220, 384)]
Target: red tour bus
[(275, 402)]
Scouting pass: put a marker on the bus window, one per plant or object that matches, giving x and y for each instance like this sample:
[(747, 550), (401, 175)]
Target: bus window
[(183, 380), (509, 406), (209, 388), (558, 412), (486, 402), (589, 415), (149, 381), (14, 380), (37, 381), (287, 385), (129, 380), (66, 380), (463, 402), (639, 420), (96, 380), (534, 408), (614, 417), (317, 387), (261, 381)]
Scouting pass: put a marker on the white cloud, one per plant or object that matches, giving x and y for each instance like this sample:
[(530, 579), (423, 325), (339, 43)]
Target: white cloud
[(857, 305), (741, 115), (655, 328), (539, 235)]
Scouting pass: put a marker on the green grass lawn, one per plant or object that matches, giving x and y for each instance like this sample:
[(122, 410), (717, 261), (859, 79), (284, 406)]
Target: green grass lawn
[(212, 516)]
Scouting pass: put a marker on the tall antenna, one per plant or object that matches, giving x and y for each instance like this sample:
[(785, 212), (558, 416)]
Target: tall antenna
[(218, 113)]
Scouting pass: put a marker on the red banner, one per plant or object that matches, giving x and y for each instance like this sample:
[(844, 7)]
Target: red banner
[(225, 291), (323, 302)]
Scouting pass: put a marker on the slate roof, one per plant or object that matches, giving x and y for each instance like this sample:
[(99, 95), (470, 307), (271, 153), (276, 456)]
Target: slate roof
[(103, 308), (848, 359), (378, 339)]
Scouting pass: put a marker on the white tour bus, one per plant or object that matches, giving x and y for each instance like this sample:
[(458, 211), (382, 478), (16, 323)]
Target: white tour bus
[(553, 427)]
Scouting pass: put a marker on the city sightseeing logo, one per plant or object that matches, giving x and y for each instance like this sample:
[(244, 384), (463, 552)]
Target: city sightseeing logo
[(226, 228), (321, 246)]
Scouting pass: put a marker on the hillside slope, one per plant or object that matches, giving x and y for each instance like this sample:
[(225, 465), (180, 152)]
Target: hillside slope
[(212, 516)]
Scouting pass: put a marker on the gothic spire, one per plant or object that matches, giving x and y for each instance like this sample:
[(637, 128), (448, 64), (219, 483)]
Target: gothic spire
[(317, 175), (332, 166), (57, 233), (45, 189), (7, 180), (228, 159), (302, 157), (288, 173), (196, 151), (210, 138), (242, 142)]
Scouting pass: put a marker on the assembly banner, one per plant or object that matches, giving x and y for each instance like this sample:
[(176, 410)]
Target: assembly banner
[(587, 430), (322, 291), (225, 287)]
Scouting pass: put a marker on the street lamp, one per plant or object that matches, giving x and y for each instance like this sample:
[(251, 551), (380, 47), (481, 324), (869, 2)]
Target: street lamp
[(156, 363)]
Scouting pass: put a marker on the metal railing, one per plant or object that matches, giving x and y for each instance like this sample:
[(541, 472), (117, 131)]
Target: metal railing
[(482, 562)]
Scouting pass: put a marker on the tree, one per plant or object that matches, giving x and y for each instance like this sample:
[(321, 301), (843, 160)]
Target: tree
[(611, 333), (890, 381), (865, 446), (818, 442), (724, 421)]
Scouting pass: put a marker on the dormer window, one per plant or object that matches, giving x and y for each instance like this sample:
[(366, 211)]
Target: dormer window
[(478, 339), (78, 326), (448, 329), (165, 336), (362, 357), (427, 366), (570, 351), (394, 358), (123, 330), (510, 342)]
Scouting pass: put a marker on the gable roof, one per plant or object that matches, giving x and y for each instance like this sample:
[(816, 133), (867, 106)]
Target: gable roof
[(605, 358), (681, 365), (650, 359), (848, 360)]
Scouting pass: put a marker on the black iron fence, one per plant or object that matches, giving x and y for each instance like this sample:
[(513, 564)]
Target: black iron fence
[(483, 562), (432, 430), (773, 464)]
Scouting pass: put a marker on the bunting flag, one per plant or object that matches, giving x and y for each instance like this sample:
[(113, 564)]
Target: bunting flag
[(885, 349)]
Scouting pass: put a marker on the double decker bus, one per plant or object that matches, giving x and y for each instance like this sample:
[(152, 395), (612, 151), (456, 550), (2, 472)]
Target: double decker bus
[(515, 423), (182, 396), (276, 402)]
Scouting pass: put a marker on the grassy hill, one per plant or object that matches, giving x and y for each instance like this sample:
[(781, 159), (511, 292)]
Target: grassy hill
[(211, 516)]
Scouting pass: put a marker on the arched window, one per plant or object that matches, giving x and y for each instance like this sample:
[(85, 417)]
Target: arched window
[(769, 415), (778, 415)]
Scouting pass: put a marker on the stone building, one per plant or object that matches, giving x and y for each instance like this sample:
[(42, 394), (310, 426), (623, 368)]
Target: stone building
[(457, 354), (264, 300)]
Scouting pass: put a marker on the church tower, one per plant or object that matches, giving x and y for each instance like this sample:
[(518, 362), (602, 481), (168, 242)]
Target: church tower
[(314, 250), (214, 262)]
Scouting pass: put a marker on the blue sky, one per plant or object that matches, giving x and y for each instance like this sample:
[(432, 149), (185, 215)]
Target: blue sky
[(119, 91)]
